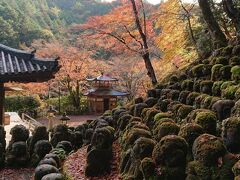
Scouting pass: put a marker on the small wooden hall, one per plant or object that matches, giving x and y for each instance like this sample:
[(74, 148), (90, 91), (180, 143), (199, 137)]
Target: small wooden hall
[(102, 96), (23, 67)]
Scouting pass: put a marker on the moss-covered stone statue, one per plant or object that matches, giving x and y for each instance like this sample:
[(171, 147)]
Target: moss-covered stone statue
[(190, 132), (169, 155), (211, 160), (17, 154), (231, 134), (132, 161)]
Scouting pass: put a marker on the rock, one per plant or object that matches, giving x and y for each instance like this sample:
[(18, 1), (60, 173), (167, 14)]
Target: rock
[(43, 170)]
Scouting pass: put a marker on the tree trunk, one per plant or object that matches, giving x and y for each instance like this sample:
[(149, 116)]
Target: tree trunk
[(142, 31), (149, 67), (218, 37), (233, 13)]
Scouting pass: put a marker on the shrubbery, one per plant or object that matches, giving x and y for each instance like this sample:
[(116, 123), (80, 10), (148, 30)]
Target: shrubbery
[(67, 105), (23, 104)]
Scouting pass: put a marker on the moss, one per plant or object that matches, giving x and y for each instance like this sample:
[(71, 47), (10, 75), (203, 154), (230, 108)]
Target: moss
[(198, 70), (216, 91), (193, 114), (135, 134), (163, 104), (198, 101), (226, 84), (221, 60), (216, 75), (208, 120), (165, 92), (207, 70), (235, 111), (235, 73), (170, 106), (148, 168), (191, 98), (165, 129), (235, 60), (207, 149), (118, 112), (183, 96), (236, 50), (138, 109), (237, 94), (190, 132), (149, 118), (173, 79), (196, 86), (151, 101), (143, 147), (158, 123), (183, 111), (229, 92), (171, 151), (225, 72), (66, 146), (197, 171), (159, 116), (226, 51), (187, 85), (173, 95), (231, 134), (205, 104), (123, 121), (206, 87), (144, 112), (135, 119), (175, 109)]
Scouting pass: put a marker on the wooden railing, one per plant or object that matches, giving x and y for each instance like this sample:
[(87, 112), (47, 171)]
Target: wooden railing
[(32, 123)]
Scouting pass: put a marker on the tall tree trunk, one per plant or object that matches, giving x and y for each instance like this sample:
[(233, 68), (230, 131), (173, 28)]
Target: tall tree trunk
[(142, 31), (218, 37), (233, 13), (149, 67)]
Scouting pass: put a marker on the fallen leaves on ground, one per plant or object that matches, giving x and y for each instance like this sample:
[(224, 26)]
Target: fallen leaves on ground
[(75, 164), (17, 174)]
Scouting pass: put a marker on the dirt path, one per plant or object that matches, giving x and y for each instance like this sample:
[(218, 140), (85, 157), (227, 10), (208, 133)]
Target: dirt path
[(75, 164)]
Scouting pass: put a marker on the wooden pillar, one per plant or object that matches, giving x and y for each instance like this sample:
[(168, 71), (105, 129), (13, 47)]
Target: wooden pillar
[(2, 96)]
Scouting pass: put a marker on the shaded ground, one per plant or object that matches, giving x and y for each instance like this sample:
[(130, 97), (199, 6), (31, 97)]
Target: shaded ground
[(17, 174), (75, 120), (76, 162)]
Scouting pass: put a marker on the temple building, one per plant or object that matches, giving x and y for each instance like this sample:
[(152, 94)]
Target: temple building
[(23, 67), (102, 96)]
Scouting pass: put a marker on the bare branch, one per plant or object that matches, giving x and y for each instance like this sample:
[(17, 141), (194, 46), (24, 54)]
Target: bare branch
[(132, 36)]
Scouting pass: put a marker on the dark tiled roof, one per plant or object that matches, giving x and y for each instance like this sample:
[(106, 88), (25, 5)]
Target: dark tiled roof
[(105, 92), (20, 66), (102, 78)]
